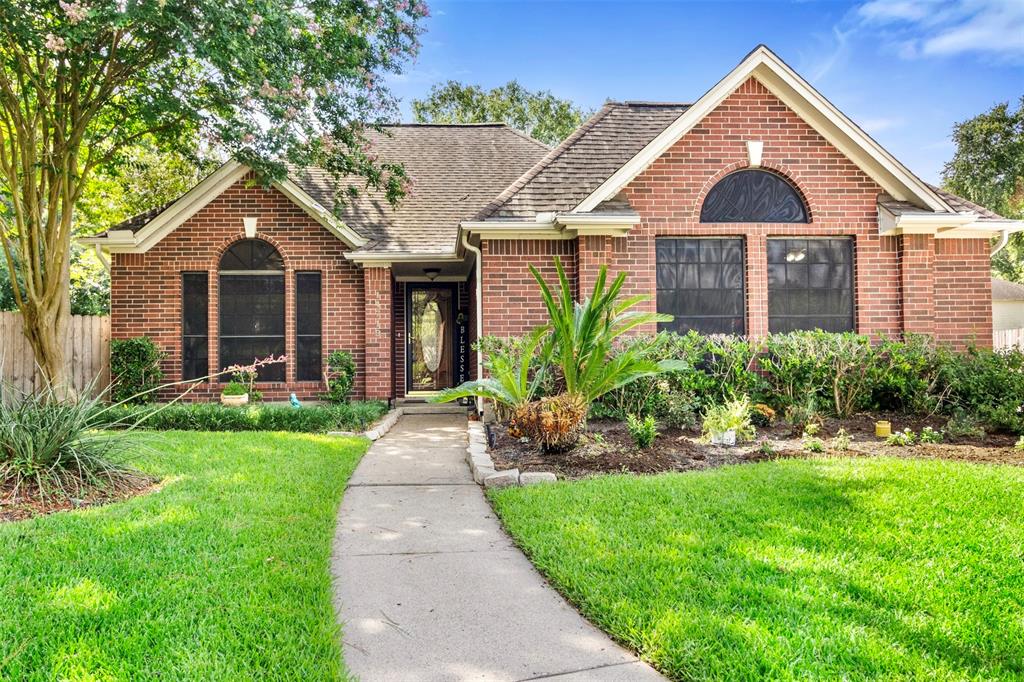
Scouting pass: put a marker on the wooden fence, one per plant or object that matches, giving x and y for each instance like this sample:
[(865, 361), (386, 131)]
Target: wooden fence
[(1008, 338), (87, 348)]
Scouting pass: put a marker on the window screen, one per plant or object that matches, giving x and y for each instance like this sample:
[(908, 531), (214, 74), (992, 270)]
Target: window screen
[(195, 323), (810, 284), (700, 282), (753, 196), (307, 326), (252, 307)]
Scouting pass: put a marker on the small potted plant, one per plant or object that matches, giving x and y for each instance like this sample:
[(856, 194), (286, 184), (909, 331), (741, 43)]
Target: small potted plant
[(234, 394), (728, 423)]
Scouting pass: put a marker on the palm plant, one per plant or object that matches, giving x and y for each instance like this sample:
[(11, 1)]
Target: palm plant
[(578, 343)]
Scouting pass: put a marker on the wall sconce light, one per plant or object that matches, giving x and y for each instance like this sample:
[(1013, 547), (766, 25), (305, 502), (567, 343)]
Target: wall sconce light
[(431, 273)]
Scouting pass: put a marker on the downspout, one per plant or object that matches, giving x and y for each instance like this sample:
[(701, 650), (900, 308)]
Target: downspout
[(102, 259), (479, 309), (1004, 238)]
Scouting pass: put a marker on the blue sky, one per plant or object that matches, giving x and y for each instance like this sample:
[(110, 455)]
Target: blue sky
[(905, 70)]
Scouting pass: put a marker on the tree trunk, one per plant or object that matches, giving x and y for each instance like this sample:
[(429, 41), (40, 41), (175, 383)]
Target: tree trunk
[(45, 326)]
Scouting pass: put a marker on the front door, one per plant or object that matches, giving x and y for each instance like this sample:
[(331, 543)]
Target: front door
[(430, 328)]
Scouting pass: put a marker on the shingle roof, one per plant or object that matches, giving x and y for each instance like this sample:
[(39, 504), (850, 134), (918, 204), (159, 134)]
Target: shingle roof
[(455, 169), (578, 166), (1006, 291), (137, 222), (961, 205)]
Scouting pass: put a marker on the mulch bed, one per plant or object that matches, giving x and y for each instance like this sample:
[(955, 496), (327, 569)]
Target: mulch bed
[(30, 504), (607, 448)]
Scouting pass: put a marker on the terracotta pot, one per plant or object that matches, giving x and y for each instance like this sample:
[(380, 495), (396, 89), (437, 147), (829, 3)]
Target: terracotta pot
[(234, 400)]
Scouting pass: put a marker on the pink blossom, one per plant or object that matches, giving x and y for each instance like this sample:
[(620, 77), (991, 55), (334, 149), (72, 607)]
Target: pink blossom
[(75, 11), (248, 138), (268, 90), (291, 112), (55, 43), (315, 28), (257, 20)]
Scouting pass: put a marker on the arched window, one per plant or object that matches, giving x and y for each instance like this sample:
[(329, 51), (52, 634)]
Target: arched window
[(753, 196), (252, 306)]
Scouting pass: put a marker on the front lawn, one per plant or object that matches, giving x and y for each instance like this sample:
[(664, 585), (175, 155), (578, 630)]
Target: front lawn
[(816, 569), (223, 574)]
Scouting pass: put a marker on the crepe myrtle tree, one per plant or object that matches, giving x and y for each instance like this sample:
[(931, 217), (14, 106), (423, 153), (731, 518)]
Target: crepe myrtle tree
[(268, 82)]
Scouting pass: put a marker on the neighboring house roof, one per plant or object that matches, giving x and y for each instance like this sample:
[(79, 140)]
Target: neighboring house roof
[(1007, 291), (576, 167)]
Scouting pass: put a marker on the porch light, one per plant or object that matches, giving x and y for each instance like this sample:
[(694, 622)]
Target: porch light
[(431, 273), (796, 255)]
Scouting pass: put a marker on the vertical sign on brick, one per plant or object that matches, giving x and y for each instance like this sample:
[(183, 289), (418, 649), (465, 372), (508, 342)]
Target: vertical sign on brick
[(377, 287)]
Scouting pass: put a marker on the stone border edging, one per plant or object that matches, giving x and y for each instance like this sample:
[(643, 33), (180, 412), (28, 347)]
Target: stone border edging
[(381, 427), (482, 466)]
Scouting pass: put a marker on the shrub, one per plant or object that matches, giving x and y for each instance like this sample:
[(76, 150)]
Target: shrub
[(243, 381), (986, 384), (841, 441), (930, 435), (642, 431), (803, 416), (341, 376), (214, 417), (55, 448), (554, 423), (812, 443), (135, 369), (963, 425), (762, 415), (906, 374), (733, 415)]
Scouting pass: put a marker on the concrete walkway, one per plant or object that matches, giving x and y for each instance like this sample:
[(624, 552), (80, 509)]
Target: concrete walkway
[(429, 587)]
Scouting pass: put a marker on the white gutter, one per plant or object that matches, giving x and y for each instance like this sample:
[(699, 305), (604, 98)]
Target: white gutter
[(479, 309), (1004, 238), (102, 259)]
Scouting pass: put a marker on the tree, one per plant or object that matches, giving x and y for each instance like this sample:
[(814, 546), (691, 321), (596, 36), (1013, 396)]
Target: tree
[(539, 114), (988, 169), (269, 82)]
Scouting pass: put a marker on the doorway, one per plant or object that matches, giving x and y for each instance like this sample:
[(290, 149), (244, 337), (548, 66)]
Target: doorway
[(430, 332)]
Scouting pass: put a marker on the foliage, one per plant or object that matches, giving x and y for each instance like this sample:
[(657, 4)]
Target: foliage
[(515, 376), (352, 416), (732, 415), (901, 438), (738, 573), (643, 431), (245, 376), (231, 552), (233, 388), (553, 422), (341, 376), (812, 443), (539, 114), (963, 425), (988, 169), (930, 435), (762, 415), (135, 369), (803, 415), (1019, 445), (906, 374), (269, 84), (54, 448), (841, 441), (988, 384), (767, 449)]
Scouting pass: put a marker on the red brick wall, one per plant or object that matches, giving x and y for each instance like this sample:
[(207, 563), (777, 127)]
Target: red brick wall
[(841, 199), (511, 302), (379, 350), (146, 288)]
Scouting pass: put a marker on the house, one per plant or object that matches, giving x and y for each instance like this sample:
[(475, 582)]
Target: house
[(758, 208), (1007, 305)]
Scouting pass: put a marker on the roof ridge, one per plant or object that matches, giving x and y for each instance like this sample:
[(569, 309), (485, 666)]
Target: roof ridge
[(652, 103), (546, 161), (434, 124)]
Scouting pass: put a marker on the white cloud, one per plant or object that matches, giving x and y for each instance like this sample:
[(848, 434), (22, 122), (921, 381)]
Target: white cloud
[(926, 28)]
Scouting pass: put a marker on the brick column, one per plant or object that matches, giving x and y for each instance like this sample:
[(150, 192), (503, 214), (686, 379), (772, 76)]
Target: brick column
[(757, 285), (377, 306), (592, 253), (917, 282)]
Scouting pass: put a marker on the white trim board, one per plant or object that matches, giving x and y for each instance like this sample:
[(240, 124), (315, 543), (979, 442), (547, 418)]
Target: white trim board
[(190, 203), (809, 104)]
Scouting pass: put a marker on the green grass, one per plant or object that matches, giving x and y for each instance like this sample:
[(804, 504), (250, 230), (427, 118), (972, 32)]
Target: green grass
[(808, 569), (221, 575)]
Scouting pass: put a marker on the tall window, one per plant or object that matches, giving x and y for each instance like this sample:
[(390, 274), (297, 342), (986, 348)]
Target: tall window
[(252, 306), (307, 326), (700, 283), (810, 284), (753, 196), (195, 323)]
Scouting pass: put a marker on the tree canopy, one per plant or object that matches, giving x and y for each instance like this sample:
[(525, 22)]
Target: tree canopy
[(988, 169), (269, 82), (539, 114)]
